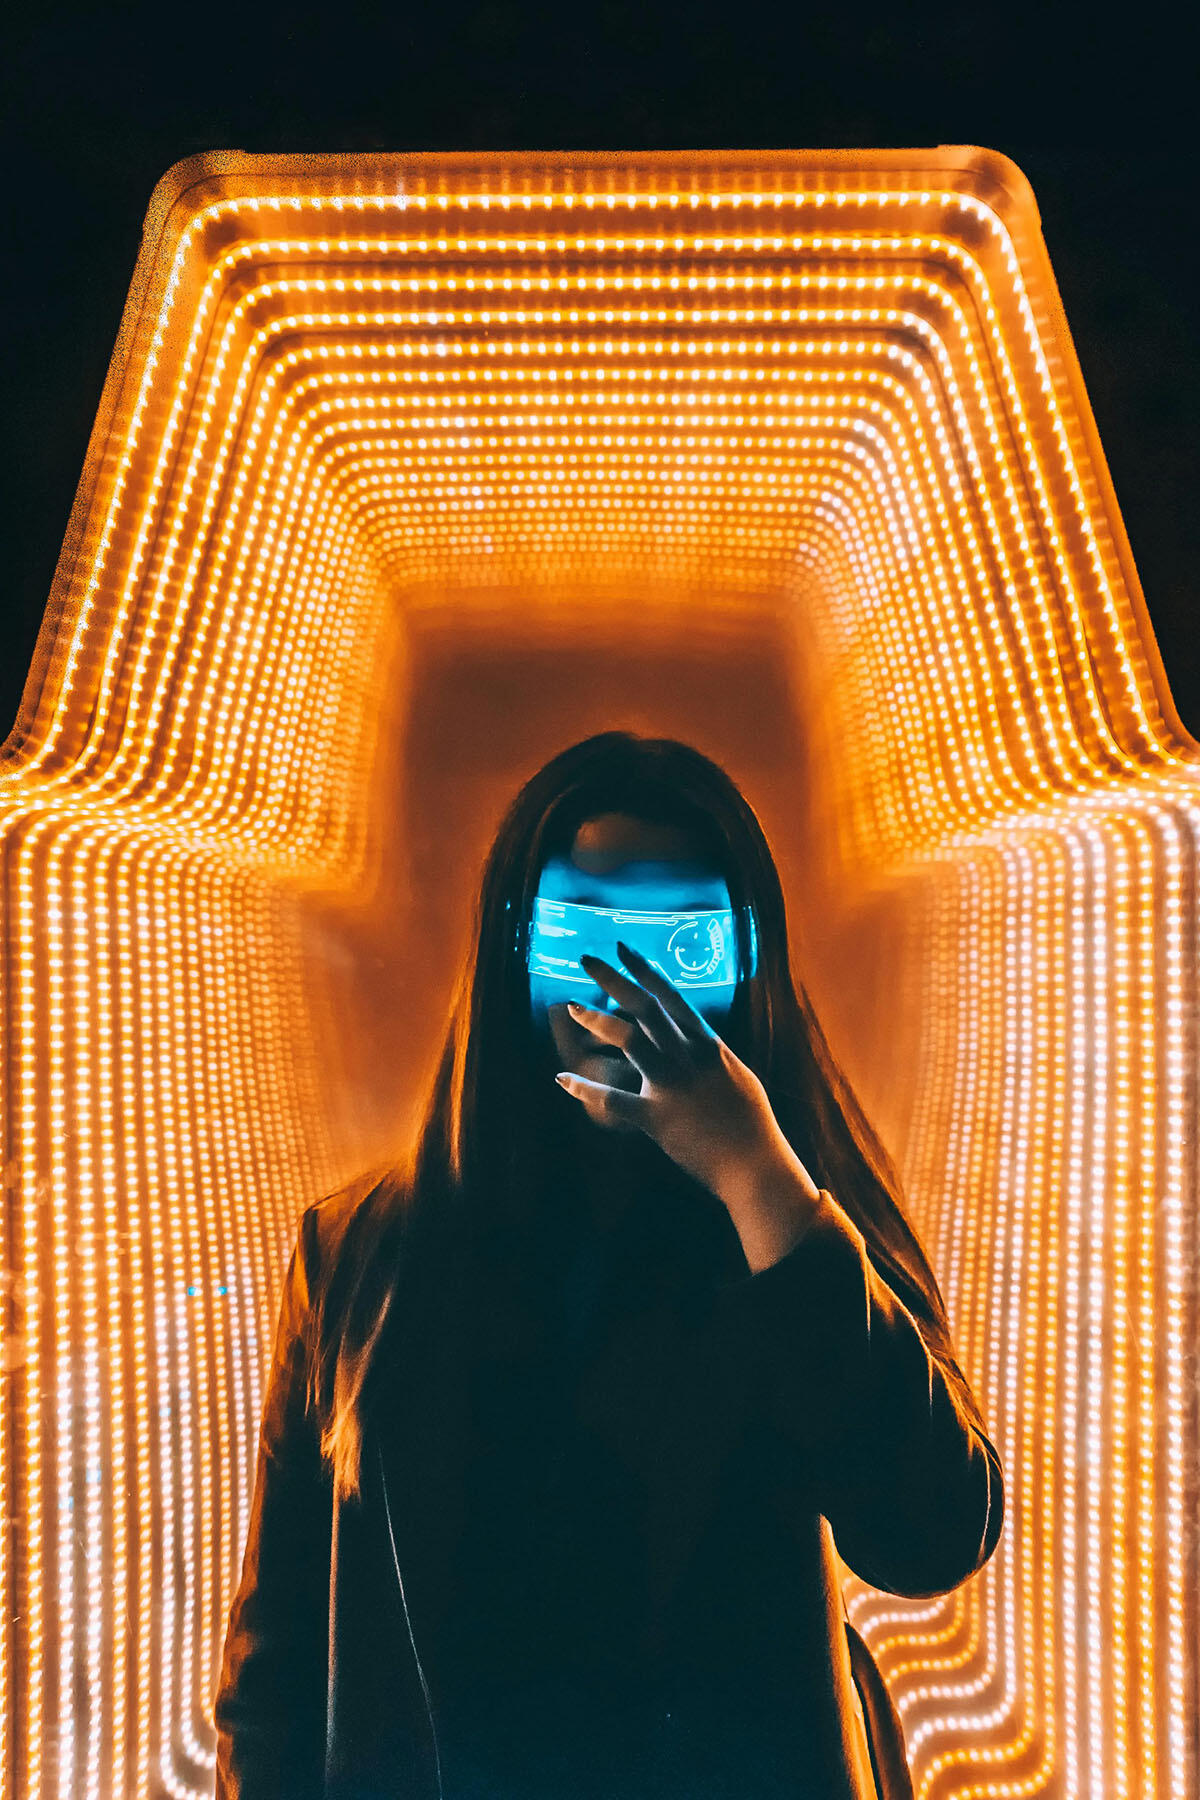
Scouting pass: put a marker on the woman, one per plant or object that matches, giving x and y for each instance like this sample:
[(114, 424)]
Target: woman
[(564, 1407)]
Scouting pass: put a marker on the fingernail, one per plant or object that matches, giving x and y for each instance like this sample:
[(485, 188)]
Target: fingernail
[(562, 1080)]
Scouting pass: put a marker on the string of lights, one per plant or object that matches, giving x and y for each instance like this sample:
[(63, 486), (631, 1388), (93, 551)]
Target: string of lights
[(345, 385)]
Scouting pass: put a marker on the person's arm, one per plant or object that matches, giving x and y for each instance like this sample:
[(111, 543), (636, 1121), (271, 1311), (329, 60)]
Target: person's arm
[(271, 1699), (913, 1490)]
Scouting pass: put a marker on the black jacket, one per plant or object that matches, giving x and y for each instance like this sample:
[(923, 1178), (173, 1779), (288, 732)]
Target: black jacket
[(809, 1402)]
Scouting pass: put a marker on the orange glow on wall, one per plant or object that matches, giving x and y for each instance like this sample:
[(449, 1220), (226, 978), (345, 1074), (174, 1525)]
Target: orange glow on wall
[(363, 408)]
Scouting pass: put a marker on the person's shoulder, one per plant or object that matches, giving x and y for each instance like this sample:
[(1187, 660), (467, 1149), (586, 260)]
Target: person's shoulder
[(327, 1224)]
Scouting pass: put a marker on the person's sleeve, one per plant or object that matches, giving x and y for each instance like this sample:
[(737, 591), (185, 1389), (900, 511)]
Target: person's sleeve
[(270, 1702), (913, 1490)]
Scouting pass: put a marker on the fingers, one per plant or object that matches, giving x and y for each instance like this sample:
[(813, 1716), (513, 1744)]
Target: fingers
[(690, 1023), (614, 1105), (661, 1029), (627, 1036)]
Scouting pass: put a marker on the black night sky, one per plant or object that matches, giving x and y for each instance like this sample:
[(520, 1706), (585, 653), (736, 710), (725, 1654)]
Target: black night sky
[(1099, 108)]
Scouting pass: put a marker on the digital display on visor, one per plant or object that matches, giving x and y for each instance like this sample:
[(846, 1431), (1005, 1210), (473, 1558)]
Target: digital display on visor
[(697, 951)]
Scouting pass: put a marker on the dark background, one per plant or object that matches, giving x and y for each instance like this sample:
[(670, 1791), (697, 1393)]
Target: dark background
[(1099, 109)]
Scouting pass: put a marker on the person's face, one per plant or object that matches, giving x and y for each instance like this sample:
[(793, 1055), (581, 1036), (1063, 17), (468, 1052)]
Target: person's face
[(617, 860)]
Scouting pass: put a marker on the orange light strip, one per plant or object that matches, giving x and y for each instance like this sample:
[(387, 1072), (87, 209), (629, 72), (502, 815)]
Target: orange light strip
[(351, 391)]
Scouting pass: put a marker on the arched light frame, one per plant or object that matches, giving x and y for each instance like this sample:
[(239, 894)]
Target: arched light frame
[(344, 385)]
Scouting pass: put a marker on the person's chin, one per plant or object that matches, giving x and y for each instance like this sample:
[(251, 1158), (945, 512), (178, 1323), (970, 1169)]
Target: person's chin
[(612, 1072)]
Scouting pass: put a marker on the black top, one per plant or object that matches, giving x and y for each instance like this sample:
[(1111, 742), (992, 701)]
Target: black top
[(727, 1430), (552, 1673)]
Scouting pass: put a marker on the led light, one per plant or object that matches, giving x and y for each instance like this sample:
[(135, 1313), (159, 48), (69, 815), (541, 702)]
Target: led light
[(371, 391)]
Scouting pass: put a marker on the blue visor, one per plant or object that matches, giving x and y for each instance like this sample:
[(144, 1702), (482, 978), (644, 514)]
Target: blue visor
[(694, 950)]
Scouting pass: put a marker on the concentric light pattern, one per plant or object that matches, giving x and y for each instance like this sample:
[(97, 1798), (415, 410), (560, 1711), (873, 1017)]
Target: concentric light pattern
[(835, 385)]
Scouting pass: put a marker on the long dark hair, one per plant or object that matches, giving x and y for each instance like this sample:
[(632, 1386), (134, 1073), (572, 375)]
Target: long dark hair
[(494, 1125)]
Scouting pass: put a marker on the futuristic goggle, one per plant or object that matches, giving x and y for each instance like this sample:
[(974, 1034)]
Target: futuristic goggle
[(697, 951)]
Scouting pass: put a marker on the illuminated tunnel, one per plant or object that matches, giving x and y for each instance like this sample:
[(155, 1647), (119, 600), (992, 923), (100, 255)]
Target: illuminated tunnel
[(409, 471)]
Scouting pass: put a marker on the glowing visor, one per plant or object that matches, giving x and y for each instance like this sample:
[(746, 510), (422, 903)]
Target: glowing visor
[(694, 950)]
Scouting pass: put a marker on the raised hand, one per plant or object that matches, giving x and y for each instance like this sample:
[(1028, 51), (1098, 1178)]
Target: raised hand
[(698, 1101)]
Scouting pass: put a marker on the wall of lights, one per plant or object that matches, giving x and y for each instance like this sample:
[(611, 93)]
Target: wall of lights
[(360, 399)]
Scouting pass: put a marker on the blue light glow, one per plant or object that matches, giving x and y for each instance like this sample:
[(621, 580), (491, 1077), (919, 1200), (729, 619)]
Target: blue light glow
[(695, 950)]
